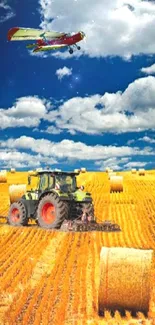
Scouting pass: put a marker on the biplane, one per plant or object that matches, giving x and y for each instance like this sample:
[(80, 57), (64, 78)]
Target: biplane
[(45, 40)]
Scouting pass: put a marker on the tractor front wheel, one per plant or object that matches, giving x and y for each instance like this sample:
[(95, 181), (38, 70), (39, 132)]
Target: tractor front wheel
[(51, 212), (17, 215)]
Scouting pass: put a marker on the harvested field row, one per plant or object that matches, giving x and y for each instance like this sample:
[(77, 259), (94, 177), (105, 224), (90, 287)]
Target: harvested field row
[(50, 277)]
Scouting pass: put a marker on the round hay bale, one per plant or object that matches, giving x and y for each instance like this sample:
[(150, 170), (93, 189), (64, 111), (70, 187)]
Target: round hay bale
[(141, 172), (12, 170), (32, 172), (107, 169), (16, 192), (125, 279), (133, 171), (76, 170), (111, 174), (3, 176), (83, 170), (116, 183)]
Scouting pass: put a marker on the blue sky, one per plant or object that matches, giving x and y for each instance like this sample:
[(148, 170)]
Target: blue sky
[(93, 109)]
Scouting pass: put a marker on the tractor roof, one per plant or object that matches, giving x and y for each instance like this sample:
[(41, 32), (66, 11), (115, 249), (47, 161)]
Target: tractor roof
[(55, 172)]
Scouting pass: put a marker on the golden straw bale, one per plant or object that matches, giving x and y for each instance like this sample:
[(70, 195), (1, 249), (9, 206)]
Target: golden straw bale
[(116, 183), (12, 170), (76, 170), (110, 170), (107, 169), (16, 192), (3, 176), (125, 279), (151, 314), (141, 172), (133, 171), (32, 172), (111, 174), (83, 170)]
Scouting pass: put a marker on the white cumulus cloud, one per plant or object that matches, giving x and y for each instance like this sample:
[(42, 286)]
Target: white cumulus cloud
[(8, 12), (133, 164), (16, 159), (147, 139), (149, 70), (113, 163), (62, 72), (68, 149), (112, 27), (130, 111), (27, 112)]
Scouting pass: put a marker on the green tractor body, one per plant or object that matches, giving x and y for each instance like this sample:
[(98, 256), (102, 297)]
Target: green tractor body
[(55, 199)]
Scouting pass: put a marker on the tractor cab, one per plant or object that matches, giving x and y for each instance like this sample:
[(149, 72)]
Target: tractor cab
[(61, 181)]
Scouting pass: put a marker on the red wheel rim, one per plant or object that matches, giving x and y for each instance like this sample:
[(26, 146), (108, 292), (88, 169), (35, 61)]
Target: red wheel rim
[(15, 215), (48, 212)]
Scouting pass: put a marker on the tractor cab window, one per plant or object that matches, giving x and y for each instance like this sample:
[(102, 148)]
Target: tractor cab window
[(43, 182), (67, 183), (51, 181)]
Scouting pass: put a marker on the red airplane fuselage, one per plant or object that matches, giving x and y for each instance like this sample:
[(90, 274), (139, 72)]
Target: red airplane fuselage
[(65, 39)]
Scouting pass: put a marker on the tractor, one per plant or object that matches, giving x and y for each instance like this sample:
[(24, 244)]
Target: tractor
[(57, 203)]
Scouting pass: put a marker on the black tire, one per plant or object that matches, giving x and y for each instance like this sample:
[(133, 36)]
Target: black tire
[(79, 48), (66, 208), (49, 204), (17, 215), (71, 51)]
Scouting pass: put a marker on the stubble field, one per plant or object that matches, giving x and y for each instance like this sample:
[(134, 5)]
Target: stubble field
[(50, 277)]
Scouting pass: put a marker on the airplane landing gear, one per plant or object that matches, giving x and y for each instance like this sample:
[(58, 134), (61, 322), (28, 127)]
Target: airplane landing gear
[(78, 47), (71, 51)]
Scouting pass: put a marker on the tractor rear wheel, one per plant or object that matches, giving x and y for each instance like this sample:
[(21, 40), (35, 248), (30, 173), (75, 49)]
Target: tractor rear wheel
[(51, 212), (17, 215)]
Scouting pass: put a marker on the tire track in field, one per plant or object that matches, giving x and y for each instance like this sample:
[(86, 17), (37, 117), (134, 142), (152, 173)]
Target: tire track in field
[(92, 277), (95, 273), (60, 309), (52, 289), (73, 301), (82, 306)]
